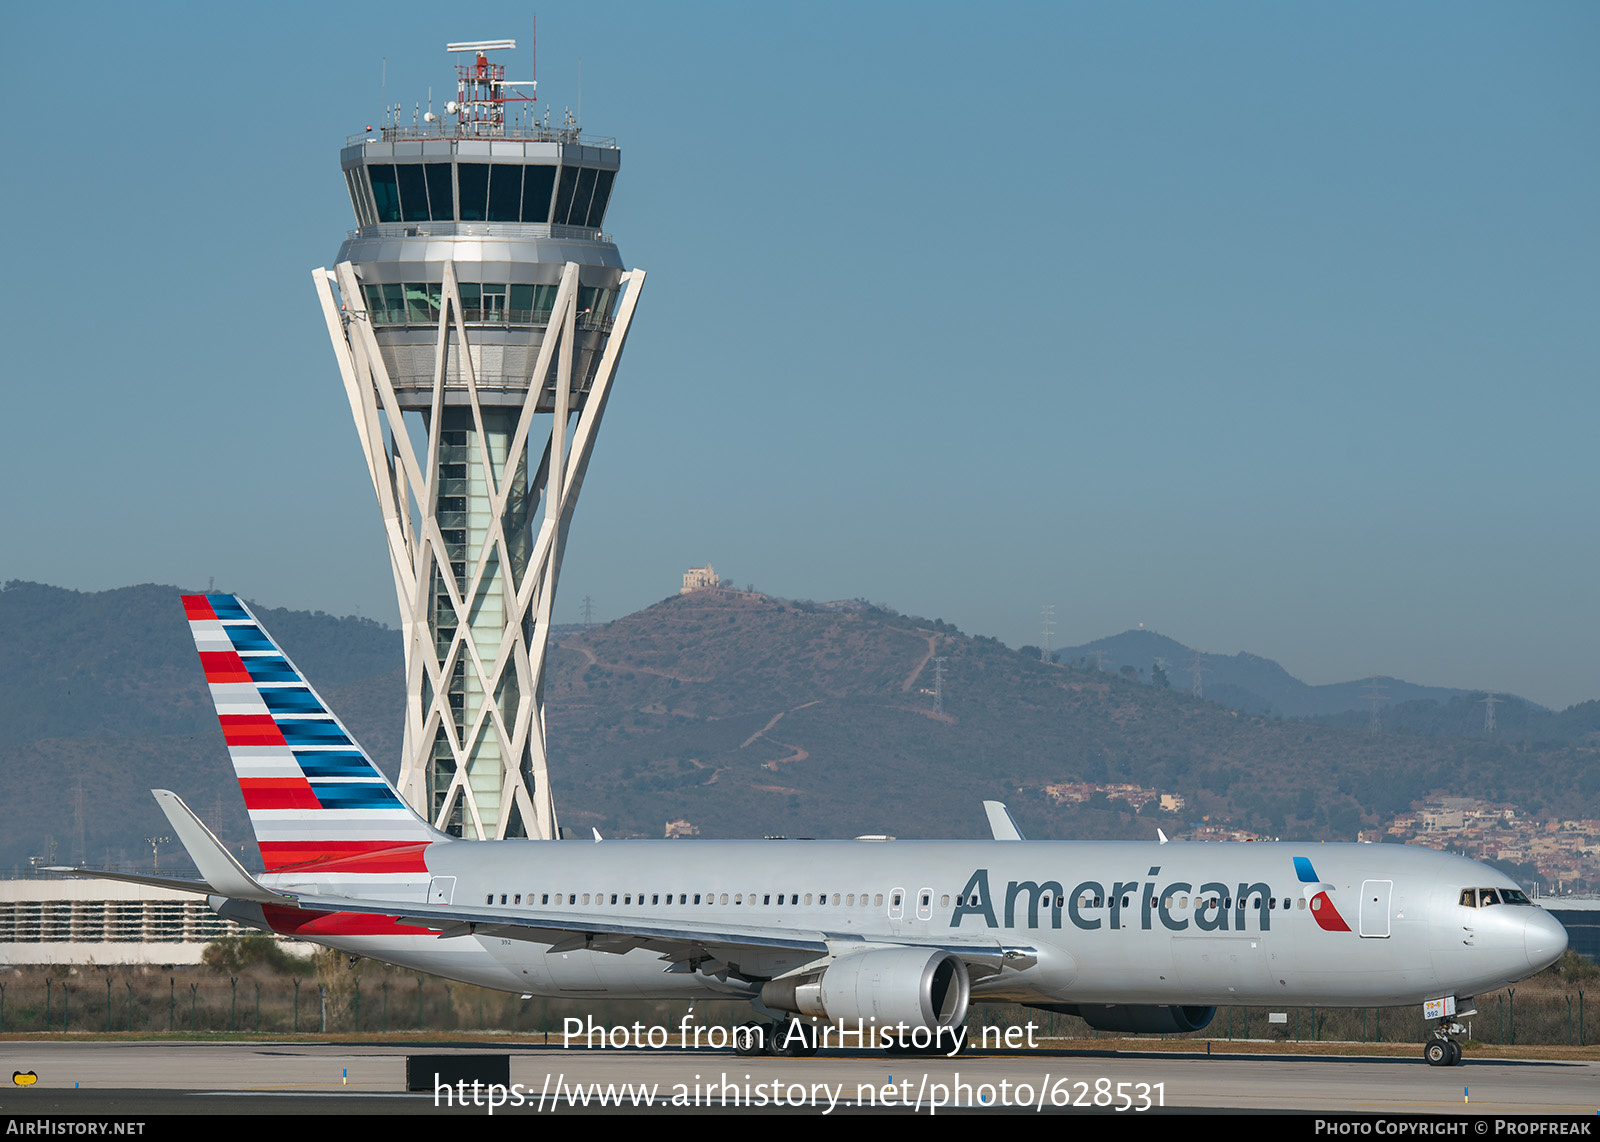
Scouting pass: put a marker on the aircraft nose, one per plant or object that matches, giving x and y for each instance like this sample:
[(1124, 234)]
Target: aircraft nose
[(1545, 940)]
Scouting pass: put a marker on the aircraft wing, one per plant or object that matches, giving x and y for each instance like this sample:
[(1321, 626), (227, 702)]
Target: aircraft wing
[(680, 940), (686, 942)]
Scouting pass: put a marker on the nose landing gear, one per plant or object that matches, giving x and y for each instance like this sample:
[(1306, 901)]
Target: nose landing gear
[(1442, 1050)]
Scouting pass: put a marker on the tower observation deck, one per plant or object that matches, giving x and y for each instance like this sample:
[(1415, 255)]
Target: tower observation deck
[(478, 312)]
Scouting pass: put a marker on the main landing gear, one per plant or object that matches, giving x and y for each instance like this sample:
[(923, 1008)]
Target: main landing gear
[(791, 1040), (1442, 1050)]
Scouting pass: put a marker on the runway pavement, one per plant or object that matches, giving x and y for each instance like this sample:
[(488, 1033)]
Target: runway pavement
[(128, 1079)]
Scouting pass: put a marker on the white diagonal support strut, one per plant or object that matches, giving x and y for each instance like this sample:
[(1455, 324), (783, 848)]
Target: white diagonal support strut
[(475, 581)]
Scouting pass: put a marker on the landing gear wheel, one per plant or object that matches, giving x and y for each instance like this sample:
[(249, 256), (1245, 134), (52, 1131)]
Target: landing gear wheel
[(751, 1039), (1455, 1054), (793, 1040), (1437, 1052)]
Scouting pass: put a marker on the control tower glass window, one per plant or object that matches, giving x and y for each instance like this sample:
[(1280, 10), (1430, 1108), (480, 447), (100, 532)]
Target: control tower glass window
[(569, 183), (505, 193), (537, 185), (385, 192), (494, 302), (422, 302), (441, 192), (352, 179), (581, 199), (472, 180), (602, 193), (521, 302), (413, 192)]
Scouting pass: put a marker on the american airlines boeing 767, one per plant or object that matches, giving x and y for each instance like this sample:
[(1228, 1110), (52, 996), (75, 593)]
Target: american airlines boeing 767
[(1134, 936)]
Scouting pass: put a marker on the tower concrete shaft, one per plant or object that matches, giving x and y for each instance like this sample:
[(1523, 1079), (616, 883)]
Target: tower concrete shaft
[(478, 314)]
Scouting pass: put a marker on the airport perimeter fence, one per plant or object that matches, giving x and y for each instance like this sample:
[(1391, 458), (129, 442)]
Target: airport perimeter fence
[(381, 1000)]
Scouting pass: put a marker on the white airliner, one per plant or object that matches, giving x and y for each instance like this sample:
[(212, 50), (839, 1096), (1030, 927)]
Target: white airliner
[(1134, 936)]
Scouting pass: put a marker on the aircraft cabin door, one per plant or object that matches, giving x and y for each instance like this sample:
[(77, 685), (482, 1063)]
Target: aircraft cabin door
[(1375, 895)]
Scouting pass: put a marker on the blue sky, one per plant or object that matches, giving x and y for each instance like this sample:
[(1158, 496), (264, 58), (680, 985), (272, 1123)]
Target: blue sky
[(1270, 326)]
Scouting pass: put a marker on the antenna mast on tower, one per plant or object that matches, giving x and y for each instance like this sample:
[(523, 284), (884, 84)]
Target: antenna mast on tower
[(1376, 696), (481, 89)]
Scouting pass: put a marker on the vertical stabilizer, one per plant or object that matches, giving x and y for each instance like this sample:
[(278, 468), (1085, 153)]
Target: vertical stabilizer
[(314, 797)]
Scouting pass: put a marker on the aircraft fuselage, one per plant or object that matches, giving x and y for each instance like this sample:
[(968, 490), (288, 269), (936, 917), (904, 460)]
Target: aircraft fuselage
[(1104, 922)]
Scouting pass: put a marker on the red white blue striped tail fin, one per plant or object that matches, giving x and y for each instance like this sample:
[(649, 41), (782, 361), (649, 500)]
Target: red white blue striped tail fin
[(317, 803)]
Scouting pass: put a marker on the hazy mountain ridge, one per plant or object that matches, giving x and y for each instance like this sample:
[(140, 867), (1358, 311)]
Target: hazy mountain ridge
[(103, 691), (744, 714), (763, 722), (1254, 684)]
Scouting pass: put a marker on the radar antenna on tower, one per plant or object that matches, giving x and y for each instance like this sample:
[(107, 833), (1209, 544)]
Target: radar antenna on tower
[(481, 89)]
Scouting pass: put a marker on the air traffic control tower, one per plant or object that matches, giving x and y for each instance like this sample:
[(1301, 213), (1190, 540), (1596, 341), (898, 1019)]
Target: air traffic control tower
[(478, 312)]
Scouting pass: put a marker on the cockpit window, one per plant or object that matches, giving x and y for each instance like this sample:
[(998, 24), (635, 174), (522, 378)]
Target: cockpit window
[(1484, 897)]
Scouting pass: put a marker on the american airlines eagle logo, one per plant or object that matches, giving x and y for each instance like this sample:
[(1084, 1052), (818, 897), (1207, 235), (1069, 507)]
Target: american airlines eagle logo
[(1322, 909)]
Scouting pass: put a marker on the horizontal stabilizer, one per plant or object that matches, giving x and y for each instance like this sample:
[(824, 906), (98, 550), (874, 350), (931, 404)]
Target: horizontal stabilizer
[(217, 866), (173, 883)]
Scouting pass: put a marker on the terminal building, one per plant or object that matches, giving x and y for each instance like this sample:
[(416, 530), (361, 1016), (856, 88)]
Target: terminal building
[(105, 922), (1580, 916)]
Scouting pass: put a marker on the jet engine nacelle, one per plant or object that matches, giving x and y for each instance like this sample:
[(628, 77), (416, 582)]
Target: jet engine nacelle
[(1143, 1019), (914, 987)]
